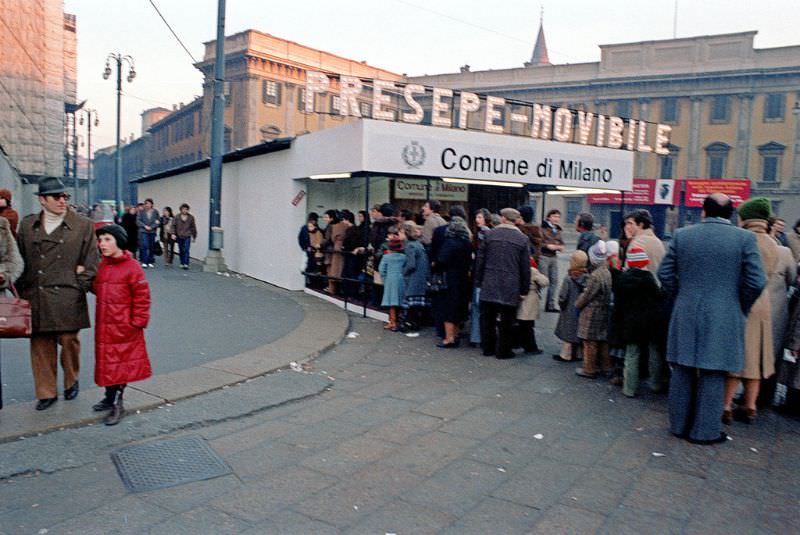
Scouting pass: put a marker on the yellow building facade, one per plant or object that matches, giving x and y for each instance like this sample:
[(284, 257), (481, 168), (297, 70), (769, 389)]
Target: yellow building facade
[(733, 108)]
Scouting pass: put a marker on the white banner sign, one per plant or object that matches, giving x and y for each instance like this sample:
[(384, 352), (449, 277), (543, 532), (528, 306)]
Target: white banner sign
[(415, 188), (440, 152)]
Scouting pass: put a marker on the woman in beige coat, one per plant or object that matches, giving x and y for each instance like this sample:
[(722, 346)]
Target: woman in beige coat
[(528, 312), (759, 356)]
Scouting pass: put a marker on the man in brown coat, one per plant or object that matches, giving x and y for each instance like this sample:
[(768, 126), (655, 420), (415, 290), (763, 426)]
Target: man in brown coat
[(60, 254)]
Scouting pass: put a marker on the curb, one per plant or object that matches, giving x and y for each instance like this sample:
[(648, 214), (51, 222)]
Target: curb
[(324, 325)]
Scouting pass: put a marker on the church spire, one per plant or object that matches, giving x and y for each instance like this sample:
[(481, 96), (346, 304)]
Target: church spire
[(539, 56)]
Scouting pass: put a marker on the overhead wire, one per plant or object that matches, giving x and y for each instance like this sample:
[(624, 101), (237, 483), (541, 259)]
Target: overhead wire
[(152, 3)]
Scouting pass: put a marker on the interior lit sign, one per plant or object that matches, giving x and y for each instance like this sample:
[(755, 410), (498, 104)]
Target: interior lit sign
[(541, 121)]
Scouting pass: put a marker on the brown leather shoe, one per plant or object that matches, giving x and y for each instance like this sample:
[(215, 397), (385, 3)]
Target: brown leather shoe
[(582, 373), (727, 417), (744, 415)]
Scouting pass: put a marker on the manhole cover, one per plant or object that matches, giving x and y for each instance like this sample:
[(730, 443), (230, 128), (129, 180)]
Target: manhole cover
[(167, 463)]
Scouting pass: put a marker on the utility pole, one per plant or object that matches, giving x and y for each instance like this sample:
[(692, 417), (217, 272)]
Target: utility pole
[(214, 261)]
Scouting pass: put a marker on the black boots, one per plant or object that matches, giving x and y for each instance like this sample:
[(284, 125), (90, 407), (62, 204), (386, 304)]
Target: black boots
[(107, 402), (113, 402), (117, 410)]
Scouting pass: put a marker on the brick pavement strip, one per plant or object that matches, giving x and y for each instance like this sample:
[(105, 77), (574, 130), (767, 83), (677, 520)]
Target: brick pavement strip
[(476, 446)]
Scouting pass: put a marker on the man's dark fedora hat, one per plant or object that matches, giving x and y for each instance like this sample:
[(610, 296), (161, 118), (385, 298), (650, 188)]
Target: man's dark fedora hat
[(50, 186)]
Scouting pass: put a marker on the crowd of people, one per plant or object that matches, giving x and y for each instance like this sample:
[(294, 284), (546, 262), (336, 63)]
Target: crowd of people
[(152, 234), (717, 303)]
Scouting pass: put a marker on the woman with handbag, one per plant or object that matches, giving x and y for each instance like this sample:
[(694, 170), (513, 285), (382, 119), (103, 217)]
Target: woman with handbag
[(11, 266)]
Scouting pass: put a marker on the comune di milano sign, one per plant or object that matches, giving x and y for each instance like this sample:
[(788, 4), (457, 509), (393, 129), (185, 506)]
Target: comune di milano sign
[(417, 150)]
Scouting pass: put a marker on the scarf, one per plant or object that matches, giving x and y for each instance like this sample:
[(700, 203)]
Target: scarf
[(52, 221), (457, 228)]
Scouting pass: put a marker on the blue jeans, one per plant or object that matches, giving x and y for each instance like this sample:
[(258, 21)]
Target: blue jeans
[(148, 244), (183, 249)]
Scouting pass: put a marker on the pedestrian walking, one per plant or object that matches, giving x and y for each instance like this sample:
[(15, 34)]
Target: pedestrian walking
[(167, 234), (121, 316), (185, 234), (759, 352), (528, 312), (148, 222), (713, 271), (503, 273), (60, 253), (391, 269), (415, 277), (593, 321), (552, 244), (567, 326), (636, 300), (8, 212), (128, 222)]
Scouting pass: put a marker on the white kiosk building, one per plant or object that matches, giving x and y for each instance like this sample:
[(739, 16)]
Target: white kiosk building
[(268, 189)]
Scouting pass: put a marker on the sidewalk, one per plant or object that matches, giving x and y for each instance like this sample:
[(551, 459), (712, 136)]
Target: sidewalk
[(206, 331), (388, 434)]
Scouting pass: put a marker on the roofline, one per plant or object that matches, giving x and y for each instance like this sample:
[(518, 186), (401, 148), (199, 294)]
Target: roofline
[(203, 61), (690, 38), (266, 147)]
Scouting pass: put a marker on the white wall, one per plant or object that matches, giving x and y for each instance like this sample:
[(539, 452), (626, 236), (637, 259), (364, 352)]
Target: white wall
[(191, 188)]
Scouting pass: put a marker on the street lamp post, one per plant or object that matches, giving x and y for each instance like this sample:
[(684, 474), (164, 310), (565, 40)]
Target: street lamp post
[(119, 59), (91, 120)]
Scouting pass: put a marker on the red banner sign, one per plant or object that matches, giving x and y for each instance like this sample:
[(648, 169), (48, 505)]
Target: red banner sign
[(649, 191), (698, 190)]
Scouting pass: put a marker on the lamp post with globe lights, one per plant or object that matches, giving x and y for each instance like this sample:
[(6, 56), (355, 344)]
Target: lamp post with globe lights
[(91, 120), (119, 59)]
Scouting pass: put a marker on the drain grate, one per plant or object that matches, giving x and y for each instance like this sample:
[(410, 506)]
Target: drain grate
[(167, 463)]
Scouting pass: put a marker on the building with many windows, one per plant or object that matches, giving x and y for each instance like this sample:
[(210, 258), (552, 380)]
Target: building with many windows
[(733, 108)]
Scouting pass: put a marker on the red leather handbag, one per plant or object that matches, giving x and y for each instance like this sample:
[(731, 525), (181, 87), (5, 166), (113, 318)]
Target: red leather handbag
[(15, 316)]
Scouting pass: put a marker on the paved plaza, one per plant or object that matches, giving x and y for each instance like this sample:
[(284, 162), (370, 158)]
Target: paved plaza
[(387, 434)]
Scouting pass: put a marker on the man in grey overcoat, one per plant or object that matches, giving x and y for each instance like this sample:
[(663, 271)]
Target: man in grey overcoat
[(713, 270), (60, 253), (503, 273)]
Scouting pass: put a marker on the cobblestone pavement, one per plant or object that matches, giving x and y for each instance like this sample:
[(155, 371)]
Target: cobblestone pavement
[(387, 434)]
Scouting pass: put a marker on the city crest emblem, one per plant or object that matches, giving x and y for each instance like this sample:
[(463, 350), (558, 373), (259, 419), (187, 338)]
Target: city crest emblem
[(413, 155)]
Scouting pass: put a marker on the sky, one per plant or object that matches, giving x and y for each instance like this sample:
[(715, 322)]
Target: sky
[(404, 36)]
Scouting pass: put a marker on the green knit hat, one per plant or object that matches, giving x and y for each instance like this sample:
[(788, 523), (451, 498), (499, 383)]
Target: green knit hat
[(756, 208)]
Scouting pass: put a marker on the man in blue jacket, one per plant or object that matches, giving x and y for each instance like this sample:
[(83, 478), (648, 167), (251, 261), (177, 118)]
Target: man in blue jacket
[(714, 272)]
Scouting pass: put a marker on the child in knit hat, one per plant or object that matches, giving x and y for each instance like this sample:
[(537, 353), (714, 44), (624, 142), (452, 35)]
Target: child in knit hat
[(571, 287), (391, 269), (594, 318), (637, 297), (121, 315)]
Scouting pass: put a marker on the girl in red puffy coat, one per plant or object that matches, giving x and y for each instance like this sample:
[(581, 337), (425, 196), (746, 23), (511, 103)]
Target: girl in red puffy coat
[(122, 313)]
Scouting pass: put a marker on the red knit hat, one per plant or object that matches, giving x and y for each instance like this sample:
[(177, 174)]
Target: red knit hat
[(637, 257)]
